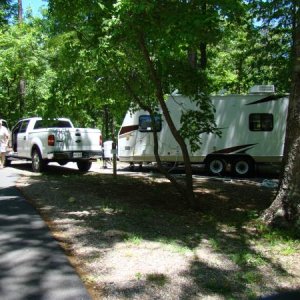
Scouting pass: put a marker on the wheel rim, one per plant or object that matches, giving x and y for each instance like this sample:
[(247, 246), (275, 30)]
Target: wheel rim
[(216, 166), (242, 167), (36, 161)]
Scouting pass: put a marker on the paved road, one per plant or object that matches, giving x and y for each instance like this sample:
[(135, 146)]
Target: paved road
[(32, 265)]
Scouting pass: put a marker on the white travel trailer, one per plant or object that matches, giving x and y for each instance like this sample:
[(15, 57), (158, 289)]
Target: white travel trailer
[(253, 131)]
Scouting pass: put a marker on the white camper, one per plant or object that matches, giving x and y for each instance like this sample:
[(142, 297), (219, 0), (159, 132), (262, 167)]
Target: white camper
[(253, 131)]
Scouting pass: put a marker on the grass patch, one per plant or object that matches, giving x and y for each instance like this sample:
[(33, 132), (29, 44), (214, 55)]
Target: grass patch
[(157, 279), (133, 239), (249, 259), (174, 246), (223, 287), (251, 277)]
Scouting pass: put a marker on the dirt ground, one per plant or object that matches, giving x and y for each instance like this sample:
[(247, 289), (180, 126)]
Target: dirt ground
[(133, 237)]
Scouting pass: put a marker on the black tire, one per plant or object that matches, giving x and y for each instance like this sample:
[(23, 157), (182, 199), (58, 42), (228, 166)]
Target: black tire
[(243, 167), (84, 165), (216, 166), (62, 162), (37, 163), (7, 162)]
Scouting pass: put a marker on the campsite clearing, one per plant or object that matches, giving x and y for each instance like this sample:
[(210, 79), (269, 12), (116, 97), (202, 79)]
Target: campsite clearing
[(133, 238)]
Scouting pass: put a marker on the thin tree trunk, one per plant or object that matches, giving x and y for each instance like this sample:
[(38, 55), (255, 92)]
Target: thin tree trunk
[(203, 56), (20, 11), (22, 92), (22, 83), (106, 122), (179, 187), (285, 209), (160, 98)]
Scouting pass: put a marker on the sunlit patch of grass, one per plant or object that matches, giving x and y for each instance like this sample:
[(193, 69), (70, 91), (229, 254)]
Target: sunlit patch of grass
[(175, 246), (245, 258), (285, 243), (138, 275), (157, 279), (133, 239), (214, 244), (289, 250)]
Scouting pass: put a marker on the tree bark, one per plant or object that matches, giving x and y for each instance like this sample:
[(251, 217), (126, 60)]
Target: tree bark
[(22, 91), (189, 191), (285, 209), (22, 83), (20, 11), (180, 188)]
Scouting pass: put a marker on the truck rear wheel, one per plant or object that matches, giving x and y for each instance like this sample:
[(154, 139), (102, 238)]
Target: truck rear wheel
[(7, 162), (84, 166), (37, 163)]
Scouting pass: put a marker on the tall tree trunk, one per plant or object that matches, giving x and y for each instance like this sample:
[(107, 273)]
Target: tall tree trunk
[(22, 91), (22, 83), (203, 56), (285, 209), (20, 11), (106, 122)]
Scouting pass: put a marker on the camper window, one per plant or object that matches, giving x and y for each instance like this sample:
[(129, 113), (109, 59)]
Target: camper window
[(145, 124), (261, 122)]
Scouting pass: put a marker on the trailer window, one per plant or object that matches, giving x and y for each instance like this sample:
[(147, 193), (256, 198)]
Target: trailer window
[(145, 124), (261, 122)]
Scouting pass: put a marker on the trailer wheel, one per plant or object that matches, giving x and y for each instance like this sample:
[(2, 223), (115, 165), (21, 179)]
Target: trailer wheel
[(243, 167), (37, 163), (84, 165), (216, 166)]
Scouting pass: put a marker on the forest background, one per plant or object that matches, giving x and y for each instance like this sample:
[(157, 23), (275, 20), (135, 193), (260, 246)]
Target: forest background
[(247, 43)]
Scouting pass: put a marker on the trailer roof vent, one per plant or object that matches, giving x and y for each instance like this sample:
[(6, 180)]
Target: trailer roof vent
[(259, 89)]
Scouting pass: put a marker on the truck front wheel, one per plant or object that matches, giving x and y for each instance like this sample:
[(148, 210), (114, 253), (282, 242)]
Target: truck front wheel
[(84, 166), (38, 165)]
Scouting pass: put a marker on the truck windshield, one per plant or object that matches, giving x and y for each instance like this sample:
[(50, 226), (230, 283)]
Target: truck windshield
[(52, 124)]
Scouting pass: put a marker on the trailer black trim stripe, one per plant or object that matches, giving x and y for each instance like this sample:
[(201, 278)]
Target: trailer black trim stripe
[(242, 148), (127, 129), (267, 99)]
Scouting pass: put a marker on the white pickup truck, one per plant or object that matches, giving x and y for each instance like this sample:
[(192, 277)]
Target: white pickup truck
[(54, 140)]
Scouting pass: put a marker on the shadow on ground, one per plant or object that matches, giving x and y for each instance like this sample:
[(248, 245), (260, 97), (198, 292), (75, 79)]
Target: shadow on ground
[(145, 209)]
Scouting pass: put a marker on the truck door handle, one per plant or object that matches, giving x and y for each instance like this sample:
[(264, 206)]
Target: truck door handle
[(78, 141), (24, 138)]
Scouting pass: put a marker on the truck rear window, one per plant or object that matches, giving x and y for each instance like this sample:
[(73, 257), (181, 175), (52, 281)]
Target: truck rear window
[(52, 124)]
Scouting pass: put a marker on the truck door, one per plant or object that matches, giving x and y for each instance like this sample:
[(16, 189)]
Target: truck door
[(22, 139), (14, 136)]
